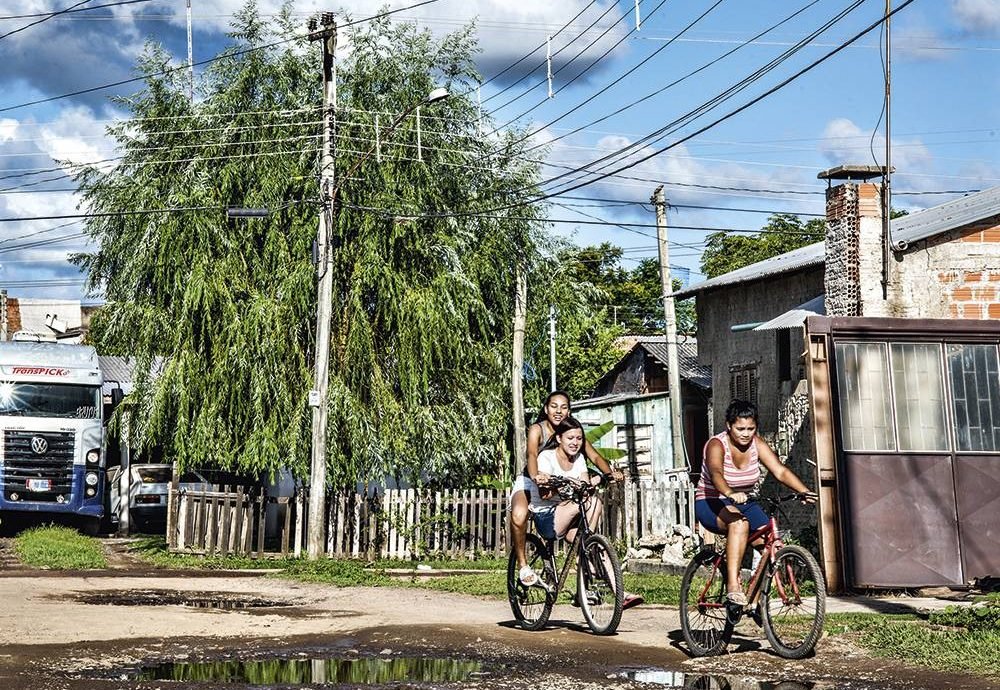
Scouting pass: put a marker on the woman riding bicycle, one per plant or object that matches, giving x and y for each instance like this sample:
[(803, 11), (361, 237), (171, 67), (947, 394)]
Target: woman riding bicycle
[(554, 516), (731, 469)]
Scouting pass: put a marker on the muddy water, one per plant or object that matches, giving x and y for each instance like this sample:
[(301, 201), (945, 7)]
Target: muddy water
[(274, 672)]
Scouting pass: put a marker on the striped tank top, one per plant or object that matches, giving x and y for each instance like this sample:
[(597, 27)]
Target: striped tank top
[(738, 479)]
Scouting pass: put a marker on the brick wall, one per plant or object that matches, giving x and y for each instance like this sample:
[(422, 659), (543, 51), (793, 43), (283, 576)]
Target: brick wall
[(853, 280), (953, 275)]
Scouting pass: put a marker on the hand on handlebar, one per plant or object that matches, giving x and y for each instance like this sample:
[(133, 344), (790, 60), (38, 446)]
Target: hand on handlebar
[(808, 497), (739, 497)]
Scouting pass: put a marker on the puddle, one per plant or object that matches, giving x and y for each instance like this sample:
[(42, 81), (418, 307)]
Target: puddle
[(697, 681), (162, 597), (311, 671)]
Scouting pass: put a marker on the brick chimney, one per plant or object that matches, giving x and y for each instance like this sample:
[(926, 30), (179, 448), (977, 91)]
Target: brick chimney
[(853, 278)]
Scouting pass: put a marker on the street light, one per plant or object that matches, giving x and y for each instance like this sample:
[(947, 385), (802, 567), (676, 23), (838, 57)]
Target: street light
[(324, 311)]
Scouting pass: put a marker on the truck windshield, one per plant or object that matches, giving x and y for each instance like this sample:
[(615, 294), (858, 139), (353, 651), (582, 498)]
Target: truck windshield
[(50, 400)]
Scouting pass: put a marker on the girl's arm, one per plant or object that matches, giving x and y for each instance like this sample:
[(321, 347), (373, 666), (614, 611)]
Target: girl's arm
[(715, 456), (600, 462), (534, 440), (781, 472)]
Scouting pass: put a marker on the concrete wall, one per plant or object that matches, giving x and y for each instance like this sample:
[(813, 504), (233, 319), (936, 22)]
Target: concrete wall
[(722, 348)]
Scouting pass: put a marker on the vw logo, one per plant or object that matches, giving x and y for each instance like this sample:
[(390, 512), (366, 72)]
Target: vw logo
[(39, 445)]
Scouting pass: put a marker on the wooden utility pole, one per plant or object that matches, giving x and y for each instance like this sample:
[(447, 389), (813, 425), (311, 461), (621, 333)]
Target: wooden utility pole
[(517, 367), (324, 268), (670, 330), (552, 347)]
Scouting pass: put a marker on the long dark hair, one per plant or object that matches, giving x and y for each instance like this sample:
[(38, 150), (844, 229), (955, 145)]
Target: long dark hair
[(548, 398), (568, 423)]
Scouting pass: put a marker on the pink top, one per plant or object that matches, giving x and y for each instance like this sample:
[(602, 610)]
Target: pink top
[(738, 479)]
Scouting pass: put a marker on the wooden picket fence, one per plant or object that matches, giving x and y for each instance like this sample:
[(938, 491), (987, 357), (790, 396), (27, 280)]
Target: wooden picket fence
[(404, 523)]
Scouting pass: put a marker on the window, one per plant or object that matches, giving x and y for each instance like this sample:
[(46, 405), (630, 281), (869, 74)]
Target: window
[(975, 389), (863, 379), (637, 439), (743, 382), (918, 394)]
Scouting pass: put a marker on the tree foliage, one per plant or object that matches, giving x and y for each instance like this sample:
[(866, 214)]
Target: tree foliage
[(422, 282), (725, 252)]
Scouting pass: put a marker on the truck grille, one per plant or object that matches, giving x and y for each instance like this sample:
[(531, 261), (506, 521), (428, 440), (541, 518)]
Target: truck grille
[(33, 476)]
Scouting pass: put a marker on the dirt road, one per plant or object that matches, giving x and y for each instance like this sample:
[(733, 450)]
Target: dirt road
[(86, 631)]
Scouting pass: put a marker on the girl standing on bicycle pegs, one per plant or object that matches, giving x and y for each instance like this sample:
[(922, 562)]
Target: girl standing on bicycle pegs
[(731, 469), (541, 434)]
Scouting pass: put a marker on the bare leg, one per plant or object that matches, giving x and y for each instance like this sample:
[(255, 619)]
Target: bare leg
[(737, 530), (519, 524)]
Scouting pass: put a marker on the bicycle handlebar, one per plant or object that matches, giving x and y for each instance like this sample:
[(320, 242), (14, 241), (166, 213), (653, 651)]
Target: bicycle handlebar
[(575, 487)]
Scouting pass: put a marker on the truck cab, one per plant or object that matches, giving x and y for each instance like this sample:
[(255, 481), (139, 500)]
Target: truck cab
[(52, 431)]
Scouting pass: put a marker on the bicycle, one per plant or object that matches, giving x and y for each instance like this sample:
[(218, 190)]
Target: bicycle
[(786, 595), (599, 586)]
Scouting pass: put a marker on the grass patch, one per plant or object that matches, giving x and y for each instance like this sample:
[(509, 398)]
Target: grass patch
[(958, 639), (59, 548), (153, 550)]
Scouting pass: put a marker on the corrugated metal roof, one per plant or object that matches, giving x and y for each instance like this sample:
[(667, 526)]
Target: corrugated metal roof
[(119, 371), (905, 229), (687, 358), (797, 259), (951, 214), (794, 318)]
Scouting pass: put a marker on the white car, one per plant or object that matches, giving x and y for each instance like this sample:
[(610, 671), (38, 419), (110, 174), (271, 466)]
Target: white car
[(149, 486)]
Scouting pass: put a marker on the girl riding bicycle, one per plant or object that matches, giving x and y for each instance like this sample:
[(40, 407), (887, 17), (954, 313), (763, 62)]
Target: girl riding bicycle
[(731, 469)]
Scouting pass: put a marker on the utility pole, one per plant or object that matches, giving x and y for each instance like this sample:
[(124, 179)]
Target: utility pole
[(324, 269), (886, 177), (670, 329), (517, 366), (190, 55), (552, 346)]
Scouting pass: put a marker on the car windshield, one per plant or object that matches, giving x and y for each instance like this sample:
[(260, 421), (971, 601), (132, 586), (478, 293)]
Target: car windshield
[(154, 475), (49, 400)]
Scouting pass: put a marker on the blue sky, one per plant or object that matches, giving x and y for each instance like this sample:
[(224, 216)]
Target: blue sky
[(945, 106)]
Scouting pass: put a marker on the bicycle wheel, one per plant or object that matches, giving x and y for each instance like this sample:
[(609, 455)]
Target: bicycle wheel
[(532, 606), (705, 624), (599, 585), (793, 603)]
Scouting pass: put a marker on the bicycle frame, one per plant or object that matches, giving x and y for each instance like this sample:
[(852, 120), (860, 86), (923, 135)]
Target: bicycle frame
[(583, 531)]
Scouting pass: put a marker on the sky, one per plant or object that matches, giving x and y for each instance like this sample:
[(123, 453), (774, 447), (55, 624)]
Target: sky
[(734, 106)]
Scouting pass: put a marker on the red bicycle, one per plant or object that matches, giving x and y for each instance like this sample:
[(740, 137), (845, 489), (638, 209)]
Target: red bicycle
[(786, 595)]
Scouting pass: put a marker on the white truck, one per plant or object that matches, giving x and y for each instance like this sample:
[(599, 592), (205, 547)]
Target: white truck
[(52, 431)]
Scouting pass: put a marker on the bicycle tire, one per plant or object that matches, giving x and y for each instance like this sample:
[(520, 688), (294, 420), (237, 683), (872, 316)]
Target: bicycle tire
[(705, 623), (793, 603), (599, 592), (532, 606)]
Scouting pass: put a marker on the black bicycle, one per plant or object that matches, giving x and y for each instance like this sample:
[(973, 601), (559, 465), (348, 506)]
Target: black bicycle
[(599, 586)]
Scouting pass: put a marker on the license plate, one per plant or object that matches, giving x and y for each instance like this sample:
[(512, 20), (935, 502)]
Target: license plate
[(39, 484)]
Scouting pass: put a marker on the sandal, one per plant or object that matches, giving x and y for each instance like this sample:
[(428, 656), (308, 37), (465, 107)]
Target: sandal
[(631, 600), (527, 576)]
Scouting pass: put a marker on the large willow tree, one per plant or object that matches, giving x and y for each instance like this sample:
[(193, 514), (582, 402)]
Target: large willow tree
[(423, 259)]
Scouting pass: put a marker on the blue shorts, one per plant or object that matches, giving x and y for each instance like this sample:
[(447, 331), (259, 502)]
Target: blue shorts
[(545, 523), (708, 509)]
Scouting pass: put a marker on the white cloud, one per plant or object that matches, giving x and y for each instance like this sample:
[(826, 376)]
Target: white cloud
[(977, 16), (844, 143), (8, 129)]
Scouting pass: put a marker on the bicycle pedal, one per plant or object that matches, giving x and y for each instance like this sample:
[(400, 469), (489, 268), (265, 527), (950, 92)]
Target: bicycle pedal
[(734, 612)]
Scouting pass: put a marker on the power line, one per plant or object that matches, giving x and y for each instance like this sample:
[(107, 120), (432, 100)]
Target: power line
[(227, 55), (44, 18), (71, 10)]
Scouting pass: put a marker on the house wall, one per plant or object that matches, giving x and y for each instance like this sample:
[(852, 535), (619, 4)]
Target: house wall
[(642, 428), (953, 275), (724, 349)]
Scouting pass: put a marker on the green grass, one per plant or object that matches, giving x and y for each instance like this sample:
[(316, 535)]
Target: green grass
[(59, 548)]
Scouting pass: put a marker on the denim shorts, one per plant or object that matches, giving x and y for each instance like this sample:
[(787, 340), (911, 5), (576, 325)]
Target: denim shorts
[(545, 523), (708, 509)]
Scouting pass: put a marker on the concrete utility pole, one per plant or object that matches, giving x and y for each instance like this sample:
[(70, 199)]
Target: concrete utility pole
[(887, 176), (324, 269), (670, 330), (190, 55), (517, 367), (552, 346)]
